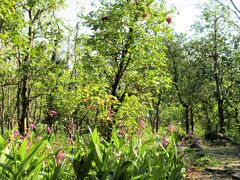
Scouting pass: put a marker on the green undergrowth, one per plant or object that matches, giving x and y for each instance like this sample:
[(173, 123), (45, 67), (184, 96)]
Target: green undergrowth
[(198, 159), (89, 156)]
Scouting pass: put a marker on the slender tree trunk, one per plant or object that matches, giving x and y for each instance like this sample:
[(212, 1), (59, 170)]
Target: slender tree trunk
[(217, 79), (28, 106), (35, 110), (18, 107), (185, 104), (208, 123), (187, 117), (191, 119), (2, 110), (24, 81), (122, 67), (11, 116), (157, 119), (40, 110), (236, 118), (24, 105), (221, 115)]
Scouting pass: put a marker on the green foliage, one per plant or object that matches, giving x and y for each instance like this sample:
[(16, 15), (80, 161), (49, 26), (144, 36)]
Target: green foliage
[(194, 158), (91, 157), (129, 76), (22, 159), (142, 158)]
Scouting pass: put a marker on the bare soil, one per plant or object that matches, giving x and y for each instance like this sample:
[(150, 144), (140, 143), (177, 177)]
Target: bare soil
[(229, 167)]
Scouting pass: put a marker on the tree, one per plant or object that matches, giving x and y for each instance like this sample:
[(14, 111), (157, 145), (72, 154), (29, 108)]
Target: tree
[(125, 49), (232, 5), (27, 30), (186, 76), (213, 37)]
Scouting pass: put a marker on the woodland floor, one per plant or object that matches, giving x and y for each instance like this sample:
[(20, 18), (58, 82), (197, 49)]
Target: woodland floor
[(227, 164)]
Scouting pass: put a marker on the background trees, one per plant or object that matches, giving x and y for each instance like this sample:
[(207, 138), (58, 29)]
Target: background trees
[(27, 43), (124, 52), (130, 66)]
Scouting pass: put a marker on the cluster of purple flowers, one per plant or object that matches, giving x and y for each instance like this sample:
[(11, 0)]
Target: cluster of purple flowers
[(33, 126), (52, 113), (60, 157), (122, 131), (165, 142), (16, 133), (141, 124), (48, 130), (71, 127), (17, 136), (110, 115), (141, 127)]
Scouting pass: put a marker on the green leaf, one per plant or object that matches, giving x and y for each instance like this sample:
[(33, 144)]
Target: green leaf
[(23, 149), (138, 177), (57, 171), (7, 168), (33, 152), (115, 140), (122, 170)]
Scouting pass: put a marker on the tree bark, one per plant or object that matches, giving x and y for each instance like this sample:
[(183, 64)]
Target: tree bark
[(217, 79), (24, 79), (187, 117), (2, 110), (24, 105), (184, 103), (191, 119)]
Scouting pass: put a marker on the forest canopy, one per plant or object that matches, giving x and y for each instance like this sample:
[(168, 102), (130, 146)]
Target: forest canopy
[(131, 64)]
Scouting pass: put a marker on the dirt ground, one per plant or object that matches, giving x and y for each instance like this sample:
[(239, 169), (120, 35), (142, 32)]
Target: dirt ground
[(229, 167)]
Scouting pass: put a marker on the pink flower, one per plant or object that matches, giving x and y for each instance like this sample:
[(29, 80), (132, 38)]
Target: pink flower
[(170, 127), (49, 130), (59, 158), (165, 142), (16, 133), (141, 127), (28, 144), (52, 113), (33, 126), (28, 135), (61, 155), (169, 19), (141, 124), (111, 112)]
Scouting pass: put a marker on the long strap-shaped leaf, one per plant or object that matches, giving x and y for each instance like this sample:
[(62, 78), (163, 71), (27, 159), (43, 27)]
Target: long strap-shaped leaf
[(29, 157), (6, 167)]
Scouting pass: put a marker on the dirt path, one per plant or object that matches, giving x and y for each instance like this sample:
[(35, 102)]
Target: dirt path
[(229, 167)]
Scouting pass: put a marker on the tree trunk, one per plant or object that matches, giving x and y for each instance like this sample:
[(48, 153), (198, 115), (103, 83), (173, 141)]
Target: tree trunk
[(236, 118), (217, 79), (24, 105), (2, 110), (157, 119), (221, 116), (187, 117), (18, 105), (122, 67), (191, 119)]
